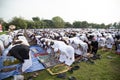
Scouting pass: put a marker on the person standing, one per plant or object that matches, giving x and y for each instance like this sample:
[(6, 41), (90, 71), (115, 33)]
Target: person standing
[(94, 46)]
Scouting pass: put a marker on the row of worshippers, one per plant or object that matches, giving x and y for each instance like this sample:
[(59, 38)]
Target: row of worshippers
[(104, 38), (78, 42), (65, 44)]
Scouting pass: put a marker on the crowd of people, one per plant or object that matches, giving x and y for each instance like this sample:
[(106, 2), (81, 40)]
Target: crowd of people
[(66, 45)]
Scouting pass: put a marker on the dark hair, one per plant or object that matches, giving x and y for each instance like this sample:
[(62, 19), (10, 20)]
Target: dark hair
[(51, 43)]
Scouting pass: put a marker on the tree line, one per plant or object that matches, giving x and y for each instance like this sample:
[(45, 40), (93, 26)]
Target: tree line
[(56, 22)]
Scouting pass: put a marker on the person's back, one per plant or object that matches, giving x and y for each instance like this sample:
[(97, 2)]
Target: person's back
[(94, 45), (20, 52)]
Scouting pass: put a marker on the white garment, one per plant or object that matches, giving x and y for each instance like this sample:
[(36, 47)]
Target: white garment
[(49, 50), (62, 57), (6, 39), (70, 55), (75, 42), (27, 63), (78, 51), (66, 52), (109, 42), (24, 40), (85, 47), (2, 45), (101, 42)]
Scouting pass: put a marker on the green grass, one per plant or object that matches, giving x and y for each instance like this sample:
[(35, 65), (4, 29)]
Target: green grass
[(2, 33), (103, 69)]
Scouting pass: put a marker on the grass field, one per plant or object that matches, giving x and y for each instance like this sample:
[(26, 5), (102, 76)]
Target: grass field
[(2, 33), (106, 68)]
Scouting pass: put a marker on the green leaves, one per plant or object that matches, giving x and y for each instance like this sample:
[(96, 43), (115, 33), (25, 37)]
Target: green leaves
[(58, 22)]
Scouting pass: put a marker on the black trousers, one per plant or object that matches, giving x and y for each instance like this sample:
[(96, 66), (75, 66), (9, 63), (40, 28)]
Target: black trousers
[(94, 50), (20, 52)]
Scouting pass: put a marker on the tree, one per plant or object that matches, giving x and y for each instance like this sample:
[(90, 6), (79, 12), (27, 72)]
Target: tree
[(37, 22), (102, 25), (58, 22), (30, 24), (19, 22), (68, 25), (107, 26), (35, 18), (118, 25), (1, 21), (84, 24), (77, 24), (48, 23), (5, 25)]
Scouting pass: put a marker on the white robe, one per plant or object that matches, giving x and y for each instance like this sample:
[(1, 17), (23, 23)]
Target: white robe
[(101, 42), (75, 42), (109, 42), (2, 46), (27, 63), (24, 40), (66, 52)]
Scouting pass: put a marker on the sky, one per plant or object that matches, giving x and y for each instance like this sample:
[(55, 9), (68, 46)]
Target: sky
[(92, 11)]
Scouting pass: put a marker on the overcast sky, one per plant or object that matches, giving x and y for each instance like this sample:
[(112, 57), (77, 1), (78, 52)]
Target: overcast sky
[(95, 11)]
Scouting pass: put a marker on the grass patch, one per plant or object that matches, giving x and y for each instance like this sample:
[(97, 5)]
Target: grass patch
[(103, 69), (2, 33)]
